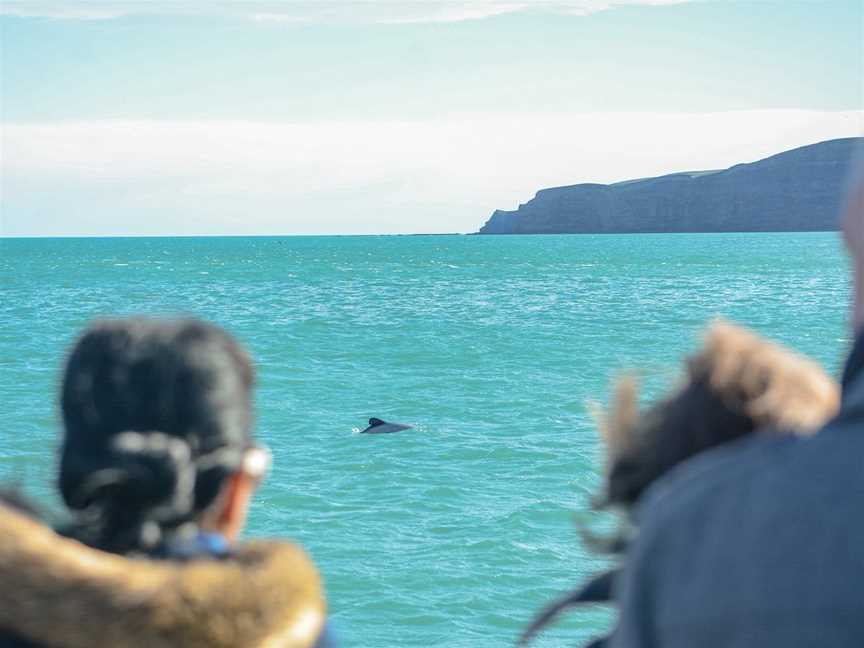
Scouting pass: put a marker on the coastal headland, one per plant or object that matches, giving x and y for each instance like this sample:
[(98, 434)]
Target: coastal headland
[(794, 191)]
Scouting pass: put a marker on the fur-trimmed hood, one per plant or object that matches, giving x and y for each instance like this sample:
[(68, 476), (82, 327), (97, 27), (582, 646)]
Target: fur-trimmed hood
[(59, 593), (778, 389), (737, 384)]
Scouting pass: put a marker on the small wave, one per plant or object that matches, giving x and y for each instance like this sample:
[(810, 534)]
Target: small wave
[(525, 546)]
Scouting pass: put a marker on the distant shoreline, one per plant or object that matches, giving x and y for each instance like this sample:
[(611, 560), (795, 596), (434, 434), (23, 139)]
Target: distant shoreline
[(797, 190)]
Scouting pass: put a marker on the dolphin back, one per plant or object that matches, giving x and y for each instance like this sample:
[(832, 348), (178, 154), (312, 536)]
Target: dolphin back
[(378, 426)]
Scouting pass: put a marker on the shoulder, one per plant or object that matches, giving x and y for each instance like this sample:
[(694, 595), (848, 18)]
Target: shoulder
[(722, 500), (734, 498), (684, 518), (730, 468)]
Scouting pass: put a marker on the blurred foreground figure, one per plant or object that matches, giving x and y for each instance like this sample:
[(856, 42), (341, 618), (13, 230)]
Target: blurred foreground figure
[(761, 543), (736, 385), (157, 467)]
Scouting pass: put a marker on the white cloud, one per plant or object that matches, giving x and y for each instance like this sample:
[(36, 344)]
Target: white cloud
[(351, 11), (358, 176)]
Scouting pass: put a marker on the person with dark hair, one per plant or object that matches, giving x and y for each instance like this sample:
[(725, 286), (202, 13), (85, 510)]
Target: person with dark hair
[(760, 543), (158, 464), (737, 385)]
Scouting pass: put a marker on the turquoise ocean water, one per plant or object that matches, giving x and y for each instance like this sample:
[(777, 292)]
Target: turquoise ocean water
[(455, 533)]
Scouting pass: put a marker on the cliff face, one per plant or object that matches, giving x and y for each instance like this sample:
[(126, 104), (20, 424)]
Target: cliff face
[(798, 190)]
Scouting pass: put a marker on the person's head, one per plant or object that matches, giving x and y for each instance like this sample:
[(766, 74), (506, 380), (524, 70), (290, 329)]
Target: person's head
[(157, 419), (738, 383)]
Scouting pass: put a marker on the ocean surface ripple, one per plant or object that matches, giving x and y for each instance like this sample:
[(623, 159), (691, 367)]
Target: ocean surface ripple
[(454, 533)]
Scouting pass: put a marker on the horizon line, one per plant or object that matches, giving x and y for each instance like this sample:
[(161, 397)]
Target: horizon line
[(276, 236)]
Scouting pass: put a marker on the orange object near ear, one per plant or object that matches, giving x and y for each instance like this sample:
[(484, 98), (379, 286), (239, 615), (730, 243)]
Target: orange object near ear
[(238, 491)]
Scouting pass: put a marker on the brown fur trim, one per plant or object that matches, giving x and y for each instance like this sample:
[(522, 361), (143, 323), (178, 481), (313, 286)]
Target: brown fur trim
[(61, 593), (778, 388), (737, 384), (618, 423)]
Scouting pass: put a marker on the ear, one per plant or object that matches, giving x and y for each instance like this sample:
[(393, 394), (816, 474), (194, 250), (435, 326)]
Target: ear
[(236, 494)]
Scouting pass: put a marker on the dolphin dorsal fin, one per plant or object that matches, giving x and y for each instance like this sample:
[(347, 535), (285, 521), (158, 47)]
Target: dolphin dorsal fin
[(376, 421)]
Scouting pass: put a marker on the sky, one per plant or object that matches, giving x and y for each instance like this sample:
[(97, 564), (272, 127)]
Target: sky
[(160, 117)]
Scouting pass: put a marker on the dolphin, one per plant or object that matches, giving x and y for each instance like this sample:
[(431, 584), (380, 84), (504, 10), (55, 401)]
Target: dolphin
[(377, 426)]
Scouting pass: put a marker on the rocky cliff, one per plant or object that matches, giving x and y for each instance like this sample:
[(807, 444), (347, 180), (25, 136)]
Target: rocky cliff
[(797, 190)]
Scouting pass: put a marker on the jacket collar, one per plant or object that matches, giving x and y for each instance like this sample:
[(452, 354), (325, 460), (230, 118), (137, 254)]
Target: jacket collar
[(61, 593)]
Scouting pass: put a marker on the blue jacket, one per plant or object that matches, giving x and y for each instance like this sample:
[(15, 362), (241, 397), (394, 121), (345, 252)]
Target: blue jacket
[(759, 543)]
